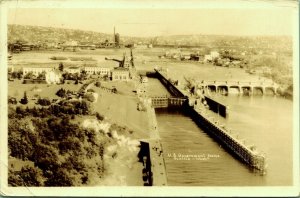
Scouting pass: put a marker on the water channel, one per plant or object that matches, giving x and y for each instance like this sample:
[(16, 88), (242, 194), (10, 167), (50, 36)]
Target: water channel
[(193, 158)]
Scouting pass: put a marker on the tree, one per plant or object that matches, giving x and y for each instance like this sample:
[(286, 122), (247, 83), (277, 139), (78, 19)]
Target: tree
[(60, 177), (61, 67), (24, 100), (114, 90), (83, 75), (61, 93), (98, 84), (28, 176), (12, 100)]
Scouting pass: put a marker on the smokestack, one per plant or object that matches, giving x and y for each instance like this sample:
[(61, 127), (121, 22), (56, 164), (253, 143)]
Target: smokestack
[(114, 34)]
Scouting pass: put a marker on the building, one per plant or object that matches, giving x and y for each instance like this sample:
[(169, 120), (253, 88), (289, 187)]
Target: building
[(120, 74), (53, 77), (37, 70), (185, 56), (102, 71), (214, 54), (73, 70), (207, 58)]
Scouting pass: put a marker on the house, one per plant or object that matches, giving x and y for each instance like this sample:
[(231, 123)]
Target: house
[(120, 74), (102, 71)]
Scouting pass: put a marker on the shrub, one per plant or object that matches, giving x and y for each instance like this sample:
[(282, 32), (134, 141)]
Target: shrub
[(44, 101), (99, 117), (89, 97), (91, 90)]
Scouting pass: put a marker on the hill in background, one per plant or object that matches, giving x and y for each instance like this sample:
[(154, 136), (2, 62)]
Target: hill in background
[(38, 34)]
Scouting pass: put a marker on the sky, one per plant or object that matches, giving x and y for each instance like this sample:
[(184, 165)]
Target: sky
[(161, 21)]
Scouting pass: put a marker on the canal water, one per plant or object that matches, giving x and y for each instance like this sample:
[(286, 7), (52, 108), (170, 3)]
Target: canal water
[(193, 158)]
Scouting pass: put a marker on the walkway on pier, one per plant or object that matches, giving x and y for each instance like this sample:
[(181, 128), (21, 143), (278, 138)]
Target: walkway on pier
[(156, 151)]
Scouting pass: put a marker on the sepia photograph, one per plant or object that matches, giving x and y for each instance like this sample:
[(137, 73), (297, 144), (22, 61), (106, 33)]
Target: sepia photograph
[(198, 98)]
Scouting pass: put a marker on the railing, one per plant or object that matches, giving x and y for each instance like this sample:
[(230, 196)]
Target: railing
[(237, 83)]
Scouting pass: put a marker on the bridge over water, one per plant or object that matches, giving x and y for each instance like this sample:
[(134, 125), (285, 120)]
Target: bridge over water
[(244, 87)]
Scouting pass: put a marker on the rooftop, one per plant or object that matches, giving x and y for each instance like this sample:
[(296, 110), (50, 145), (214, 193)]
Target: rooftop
[(73, 67), (121, 69)]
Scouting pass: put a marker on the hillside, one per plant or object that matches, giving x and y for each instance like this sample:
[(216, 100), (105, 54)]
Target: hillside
[(37, 34)]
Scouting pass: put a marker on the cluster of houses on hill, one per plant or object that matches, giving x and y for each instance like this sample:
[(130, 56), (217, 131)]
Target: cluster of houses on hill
[(200, 57), (223, 58)]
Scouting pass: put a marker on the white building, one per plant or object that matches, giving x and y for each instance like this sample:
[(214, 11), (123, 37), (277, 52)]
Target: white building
[(207, 58), (214, 54), (120, 74), (53, 77), (37, 70), (97, 70)]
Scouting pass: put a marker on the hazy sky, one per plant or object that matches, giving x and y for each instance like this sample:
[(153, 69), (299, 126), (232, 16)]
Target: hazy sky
[(157, 22)]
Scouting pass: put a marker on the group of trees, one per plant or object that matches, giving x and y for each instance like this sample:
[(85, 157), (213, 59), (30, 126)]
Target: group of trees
[(63, 93), (16, 75), (60, 150), (75, 76), (63, 108), (44, 101), (31, 75)]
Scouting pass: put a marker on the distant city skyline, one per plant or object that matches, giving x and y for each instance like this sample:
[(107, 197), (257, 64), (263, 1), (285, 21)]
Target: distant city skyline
[(161, 22)]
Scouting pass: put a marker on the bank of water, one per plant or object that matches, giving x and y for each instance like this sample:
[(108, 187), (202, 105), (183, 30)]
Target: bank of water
[(193, 158)]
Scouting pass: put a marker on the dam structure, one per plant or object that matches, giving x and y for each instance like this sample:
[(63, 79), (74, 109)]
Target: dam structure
[(240, 87), (247, 154), (164, 102)]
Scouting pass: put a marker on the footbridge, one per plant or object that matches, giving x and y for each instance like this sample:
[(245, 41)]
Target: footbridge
[(244, 87)]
